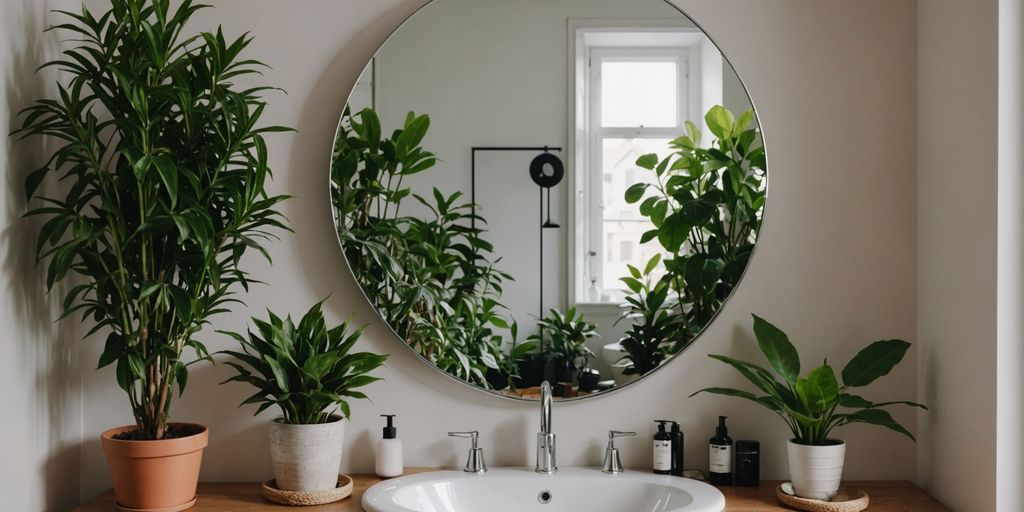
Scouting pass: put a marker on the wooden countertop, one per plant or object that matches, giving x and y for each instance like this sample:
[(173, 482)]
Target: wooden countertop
[(886, 496)]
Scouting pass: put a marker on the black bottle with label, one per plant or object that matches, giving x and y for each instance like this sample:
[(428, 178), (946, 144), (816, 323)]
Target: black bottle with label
[(721, 455), (662, 449)]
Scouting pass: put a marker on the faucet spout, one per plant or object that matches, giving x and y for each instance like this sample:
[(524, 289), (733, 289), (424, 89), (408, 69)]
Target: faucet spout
[(545, 438), (545, 408)]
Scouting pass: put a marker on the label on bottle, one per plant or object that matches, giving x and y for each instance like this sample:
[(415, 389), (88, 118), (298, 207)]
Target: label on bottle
[(721, 458), (662, 455)]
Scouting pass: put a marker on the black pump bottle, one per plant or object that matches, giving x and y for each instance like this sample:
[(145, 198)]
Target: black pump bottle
[(662, 449), (677, 449), (721, 455)]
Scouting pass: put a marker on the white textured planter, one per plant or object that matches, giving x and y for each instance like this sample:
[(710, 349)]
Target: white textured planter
[(306, 457), (816, 471), (619, 374)]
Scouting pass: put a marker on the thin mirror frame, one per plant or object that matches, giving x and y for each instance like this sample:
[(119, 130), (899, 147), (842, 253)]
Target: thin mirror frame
[(697, 337)]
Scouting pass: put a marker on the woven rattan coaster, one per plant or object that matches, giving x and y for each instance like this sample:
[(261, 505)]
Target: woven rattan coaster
[(847, 499), (307, 498)]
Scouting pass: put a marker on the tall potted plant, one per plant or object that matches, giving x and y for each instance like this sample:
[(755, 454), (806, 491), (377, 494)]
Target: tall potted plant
[(163, 169), (309, 372), (815, 405)]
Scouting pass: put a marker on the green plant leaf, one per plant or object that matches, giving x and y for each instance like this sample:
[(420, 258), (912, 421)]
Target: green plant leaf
[(720, 121), (674, 231), (648, 162), (636, 192), (824, 379), (776, 347), (877, 417), (875, 361), (738, 393)]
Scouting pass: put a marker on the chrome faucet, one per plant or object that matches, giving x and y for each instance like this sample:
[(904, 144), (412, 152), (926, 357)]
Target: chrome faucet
[(612, 464), (475, 461), (545, 438)]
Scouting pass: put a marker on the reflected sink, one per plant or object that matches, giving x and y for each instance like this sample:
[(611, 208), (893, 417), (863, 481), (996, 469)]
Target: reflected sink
[(522, 489)]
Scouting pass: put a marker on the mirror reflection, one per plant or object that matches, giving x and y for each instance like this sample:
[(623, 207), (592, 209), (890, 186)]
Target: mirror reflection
[(573, 203)]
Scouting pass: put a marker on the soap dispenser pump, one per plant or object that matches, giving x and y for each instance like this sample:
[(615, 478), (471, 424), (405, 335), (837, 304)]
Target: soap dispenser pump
[(389, 451)]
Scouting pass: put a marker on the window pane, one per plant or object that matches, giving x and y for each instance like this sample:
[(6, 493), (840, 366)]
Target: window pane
[(635, 94), (621, 223)]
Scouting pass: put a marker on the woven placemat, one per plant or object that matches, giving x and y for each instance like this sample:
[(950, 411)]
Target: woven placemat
[(847, 499), (307, 498)]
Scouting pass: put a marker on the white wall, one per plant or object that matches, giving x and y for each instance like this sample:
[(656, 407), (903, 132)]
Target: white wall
[(834, 83), (956, 266), (38, 374), (1010, 324)]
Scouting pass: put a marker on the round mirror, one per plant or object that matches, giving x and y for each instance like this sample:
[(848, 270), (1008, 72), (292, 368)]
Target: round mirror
[(561, 190)]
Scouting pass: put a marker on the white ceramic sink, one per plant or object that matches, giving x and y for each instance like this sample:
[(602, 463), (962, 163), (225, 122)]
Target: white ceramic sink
[(523, 490)]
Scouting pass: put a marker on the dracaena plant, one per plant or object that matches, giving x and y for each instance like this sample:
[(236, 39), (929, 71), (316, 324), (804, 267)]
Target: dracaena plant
[(814, 405), (655, 326), (564, 337), (163, 166), (307, 370)]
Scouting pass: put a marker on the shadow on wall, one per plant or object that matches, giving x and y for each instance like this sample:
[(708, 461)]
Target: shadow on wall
[(42, 345), (316, 128), (309, 213)]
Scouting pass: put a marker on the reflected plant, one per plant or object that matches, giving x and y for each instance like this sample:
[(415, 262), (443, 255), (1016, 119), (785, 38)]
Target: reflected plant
[(566, 337), (433, 279), (705, 205), (655, 326)]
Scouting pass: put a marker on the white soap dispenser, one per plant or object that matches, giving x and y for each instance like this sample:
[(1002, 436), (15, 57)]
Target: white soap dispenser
[(389, 451)]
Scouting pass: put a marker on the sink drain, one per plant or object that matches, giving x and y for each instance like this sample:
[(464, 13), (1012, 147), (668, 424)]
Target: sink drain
[(544, 497)]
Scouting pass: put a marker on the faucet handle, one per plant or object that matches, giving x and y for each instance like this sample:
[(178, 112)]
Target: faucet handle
[(612, 434), (474, 435), (475, 461), (612, 463)]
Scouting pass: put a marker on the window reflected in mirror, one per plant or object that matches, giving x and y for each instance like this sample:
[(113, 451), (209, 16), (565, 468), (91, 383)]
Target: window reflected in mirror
[(574, 204)]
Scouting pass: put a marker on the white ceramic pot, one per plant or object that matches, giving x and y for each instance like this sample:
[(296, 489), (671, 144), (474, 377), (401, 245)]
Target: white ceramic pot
[(307, 457), (619, 373), (816, 471)]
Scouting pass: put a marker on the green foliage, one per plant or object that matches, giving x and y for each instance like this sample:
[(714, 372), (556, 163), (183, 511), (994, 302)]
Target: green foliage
[(306, 370), (163, 168), (811, 405), (705, 205), (567, 335), (656, 328), (433, 280)]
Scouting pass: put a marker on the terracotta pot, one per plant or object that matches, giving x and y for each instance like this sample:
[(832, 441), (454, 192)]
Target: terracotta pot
[(816, 471), (155, 476), (307, 457)]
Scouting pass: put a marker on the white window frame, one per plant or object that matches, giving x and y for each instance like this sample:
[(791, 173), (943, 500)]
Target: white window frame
[(593, 220), (580, 36)]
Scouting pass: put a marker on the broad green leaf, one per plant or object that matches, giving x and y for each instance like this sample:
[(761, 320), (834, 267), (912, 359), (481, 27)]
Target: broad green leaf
[(877, 417), (875, 361), (636, 192), (776, 347), (824, 379), (648, 162), (720, 121), (674, 231)]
